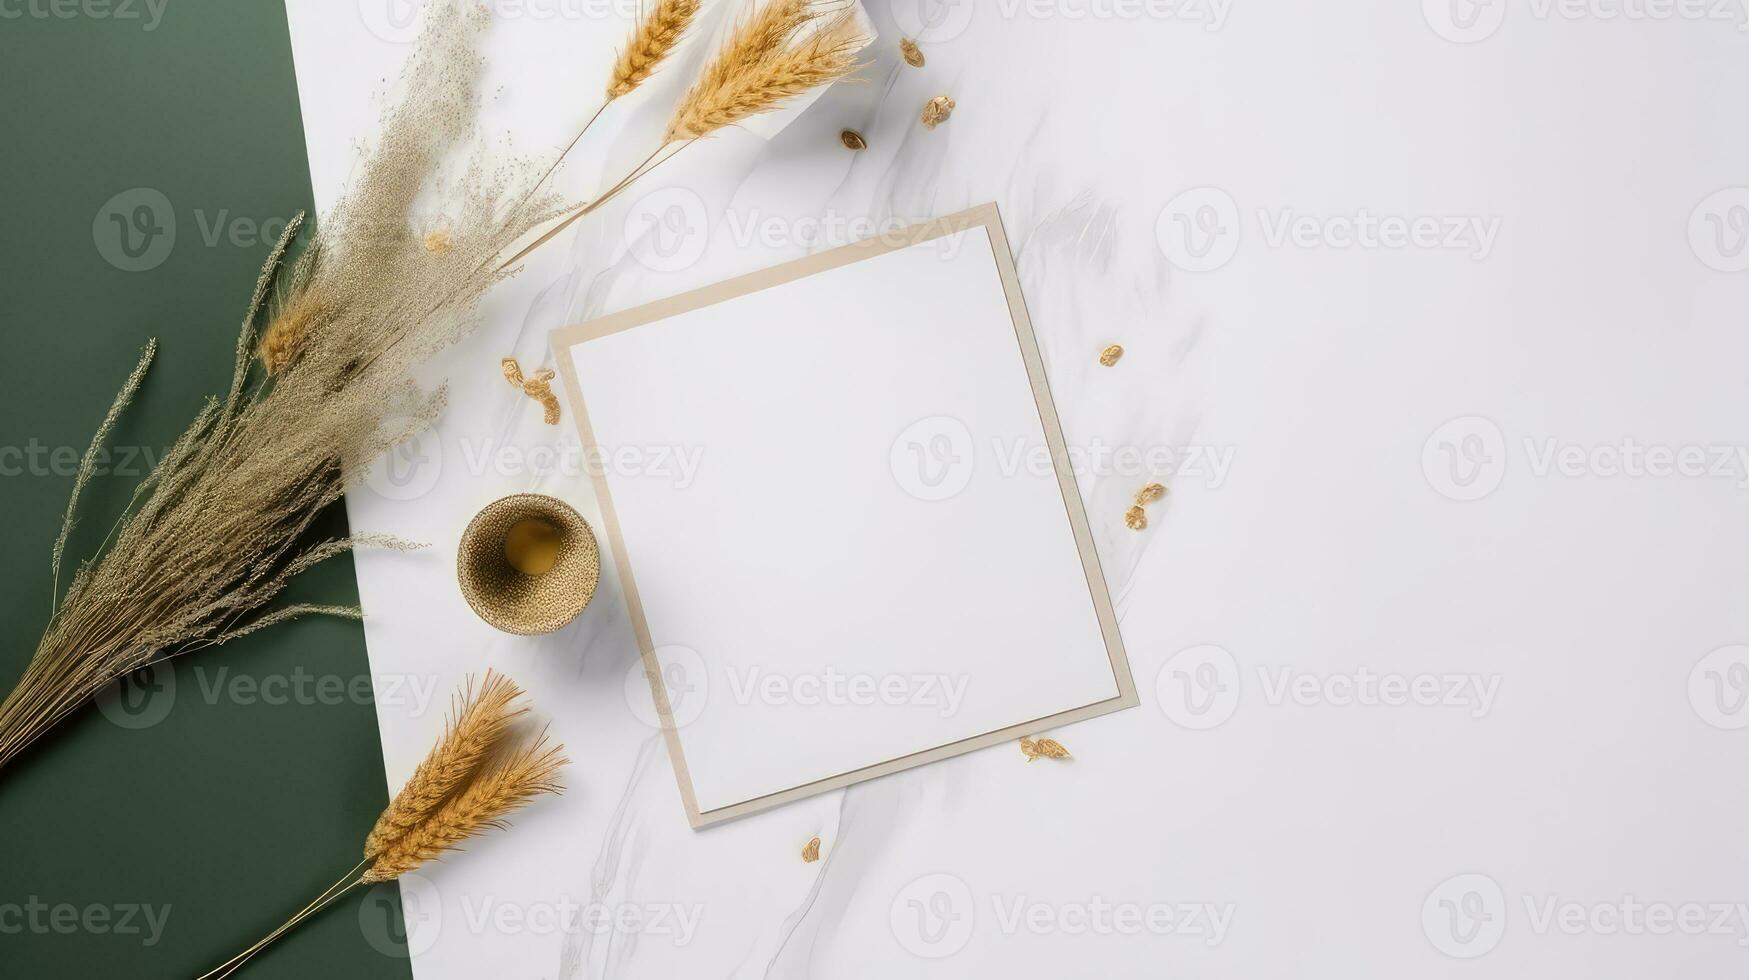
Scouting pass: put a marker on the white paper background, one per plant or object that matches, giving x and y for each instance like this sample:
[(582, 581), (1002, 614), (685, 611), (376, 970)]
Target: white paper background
[(855, 517), (1608, 763)]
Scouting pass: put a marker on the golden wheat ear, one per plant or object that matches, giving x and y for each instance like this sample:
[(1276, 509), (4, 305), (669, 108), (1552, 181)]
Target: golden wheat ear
[(654, 39), (478, 726), (512, 782), (784, 50)]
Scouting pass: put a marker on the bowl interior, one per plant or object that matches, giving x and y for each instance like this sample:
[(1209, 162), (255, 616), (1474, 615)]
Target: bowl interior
[(510, 599)]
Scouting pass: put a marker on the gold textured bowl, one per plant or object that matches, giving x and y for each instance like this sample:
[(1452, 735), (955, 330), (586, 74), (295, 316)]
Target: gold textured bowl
[(534, 531)]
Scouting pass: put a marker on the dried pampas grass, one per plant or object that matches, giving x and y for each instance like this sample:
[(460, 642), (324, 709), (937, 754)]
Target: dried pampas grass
[(477, 774), (219, 528), (323, 383)]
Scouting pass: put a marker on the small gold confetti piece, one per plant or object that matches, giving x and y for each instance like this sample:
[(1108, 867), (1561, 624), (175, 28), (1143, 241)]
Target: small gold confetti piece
[(811, 853), (1109, 356), (913, 54), (852, 140), (1044, 748), (936, 111), (437, 242), (1136, 518), (539, 387), (1149, 494)]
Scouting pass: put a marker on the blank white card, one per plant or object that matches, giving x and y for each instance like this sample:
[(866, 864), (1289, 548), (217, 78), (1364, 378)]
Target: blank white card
[(838, 501)]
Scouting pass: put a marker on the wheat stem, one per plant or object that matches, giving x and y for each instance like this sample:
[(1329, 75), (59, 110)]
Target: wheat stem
[(341, 886)]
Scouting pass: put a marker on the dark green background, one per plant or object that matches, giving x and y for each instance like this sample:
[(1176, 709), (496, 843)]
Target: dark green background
[(232, 814)]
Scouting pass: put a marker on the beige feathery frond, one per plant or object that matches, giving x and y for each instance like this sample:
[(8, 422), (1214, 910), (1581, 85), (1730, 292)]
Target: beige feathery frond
[(654, 40), (507, 786), (88, 464), (784, 50), (477, 726)]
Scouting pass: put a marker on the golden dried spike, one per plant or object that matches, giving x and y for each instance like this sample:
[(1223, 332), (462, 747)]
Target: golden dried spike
[(811, 852), (479, 723), (655, 38), (1136, 519), (285, 336), (913, 54), (1150, 493), (509, 785), (1042, 748), (936, 111), (784, 50)]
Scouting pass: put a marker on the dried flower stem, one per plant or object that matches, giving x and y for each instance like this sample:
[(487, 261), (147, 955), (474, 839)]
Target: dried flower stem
[(469, 782)]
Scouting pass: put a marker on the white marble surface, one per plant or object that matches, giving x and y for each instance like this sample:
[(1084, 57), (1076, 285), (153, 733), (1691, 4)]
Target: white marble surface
[(1553, 782)]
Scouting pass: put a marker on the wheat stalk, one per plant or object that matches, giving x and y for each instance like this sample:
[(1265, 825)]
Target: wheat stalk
[(782, 51), (507, 785), (655, 38), (471, 780), (477, 726)]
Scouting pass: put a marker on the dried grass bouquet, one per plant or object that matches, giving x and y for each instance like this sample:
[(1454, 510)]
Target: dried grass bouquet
[(323, 377)]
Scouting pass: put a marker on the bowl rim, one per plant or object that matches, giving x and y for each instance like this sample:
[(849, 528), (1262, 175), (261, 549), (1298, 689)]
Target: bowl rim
[(566, 614)]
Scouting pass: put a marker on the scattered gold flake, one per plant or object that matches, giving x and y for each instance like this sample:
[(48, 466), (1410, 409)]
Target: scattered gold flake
[(1136, 518), (936, 111), (811, 853), (913, 54), (1044, 748), (852, 140), (437, 241), (539, 387), (1109, 356), (1150, 493)]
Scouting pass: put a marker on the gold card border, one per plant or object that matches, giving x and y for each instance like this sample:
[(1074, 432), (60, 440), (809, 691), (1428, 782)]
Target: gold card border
[(982, 216)]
